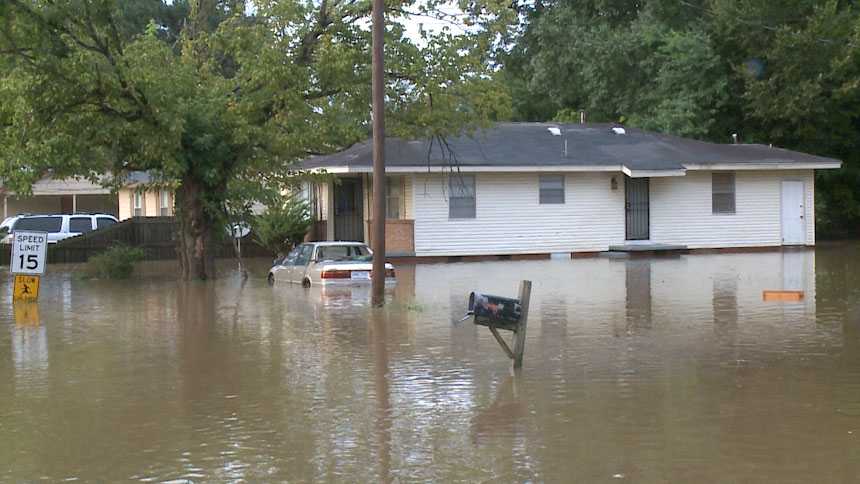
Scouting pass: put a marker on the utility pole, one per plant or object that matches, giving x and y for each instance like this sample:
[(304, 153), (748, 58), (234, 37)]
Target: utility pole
[(378, 228)]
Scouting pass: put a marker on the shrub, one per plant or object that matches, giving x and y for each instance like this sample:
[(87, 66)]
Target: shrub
[(281, 227), (115, 263)]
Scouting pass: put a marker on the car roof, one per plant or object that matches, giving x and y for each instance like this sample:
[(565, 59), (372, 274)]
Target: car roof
[(76, 214), (330, 243)]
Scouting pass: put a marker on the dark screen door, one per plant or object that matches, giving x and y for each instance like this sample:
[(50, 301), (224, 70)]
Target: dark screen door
[(637, 208), (348, 213)]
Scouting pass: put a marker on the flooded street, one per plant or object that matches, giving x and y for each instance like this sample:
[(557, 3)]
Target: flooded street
[(669, 369)]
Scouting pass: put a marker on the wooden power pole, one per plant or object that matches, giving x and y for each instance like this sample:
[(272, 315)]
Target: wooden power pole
[(378, 216)]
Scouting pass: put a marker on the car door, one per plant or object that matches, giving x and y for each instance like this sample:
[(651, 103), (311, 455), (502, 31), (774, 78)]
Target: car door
[(104, 222), (300, 263), (80, 225), (281, 270)]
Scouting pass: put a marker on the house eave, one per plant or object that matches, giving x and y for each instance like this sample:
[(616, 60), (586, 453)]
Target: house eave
[(823, 165), (653, 173), (631, 172), (469, 169)]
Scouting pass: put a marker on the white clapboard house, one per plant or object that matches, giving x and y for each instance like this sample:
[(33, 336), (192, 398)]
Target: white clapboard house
[(540, 188)]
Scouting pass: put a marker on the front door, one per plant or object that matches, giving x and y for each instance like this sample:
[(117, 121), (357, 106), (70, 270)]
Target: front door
[(348, 213), (793, 223), (637, 207)]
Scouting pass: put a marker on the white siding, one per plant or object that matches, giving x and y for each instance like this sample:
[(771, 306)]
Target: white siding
[(681, 211), (511, 221), (408, 211)]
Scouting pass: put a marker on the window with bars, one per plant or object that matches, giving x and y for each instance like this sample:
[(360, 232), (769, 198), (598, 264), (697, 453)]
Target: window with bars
[(393, 197), (723, 192), (551, 189), (461, 196)]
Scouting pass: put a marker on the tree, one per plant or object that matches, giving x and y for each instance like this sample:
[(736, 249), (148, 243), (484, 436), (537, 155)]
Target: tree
[(214, 99), (785, 72), (282, 226)]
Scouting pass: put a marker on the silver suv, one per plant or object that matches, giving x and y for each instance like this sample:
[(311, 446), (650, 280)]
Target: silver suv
[(61, 227)]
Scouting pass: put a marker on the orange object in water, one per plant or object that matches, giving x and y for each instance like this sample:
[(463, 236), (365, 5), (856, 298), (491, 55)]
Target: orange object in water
[(782, 295)]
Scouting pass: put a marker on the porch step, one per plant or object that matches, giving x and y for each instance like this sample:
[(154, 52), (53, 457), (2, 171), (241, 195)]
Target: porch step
[(640, 247)]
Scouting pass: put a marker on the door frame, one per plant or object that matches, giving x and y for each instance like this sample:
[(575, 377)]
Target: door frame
[(803, 221), (628, 209), (358, 208)]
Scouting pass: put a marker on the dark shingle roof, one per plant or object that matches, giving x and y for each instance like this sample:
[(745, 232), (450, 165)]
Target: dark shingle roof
[(589, 145)]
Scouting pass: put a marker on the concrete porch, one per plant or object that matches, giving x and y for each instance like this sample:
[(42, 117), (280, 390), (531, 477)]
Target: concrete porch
[(640, 246)]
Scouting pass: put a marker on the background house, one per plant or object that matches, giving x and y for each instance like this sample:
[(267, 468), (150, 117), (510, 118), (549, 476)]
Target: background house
[(61, 196), (72, 195), (136, 199)]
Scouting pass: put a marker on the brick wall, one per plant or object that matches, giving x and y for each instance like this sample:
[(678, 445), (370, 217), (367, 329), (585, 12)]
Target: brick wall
[(399, 237)]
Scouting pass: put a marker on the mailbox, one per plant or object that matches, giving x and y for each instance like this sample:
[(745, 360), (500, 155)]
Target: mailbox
[(496, 311)]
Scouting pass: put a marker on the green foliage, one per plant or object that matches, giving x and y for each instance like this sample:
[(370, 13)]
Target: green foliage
[(785, 72), (115, 263), (219, 102), (282, 226)]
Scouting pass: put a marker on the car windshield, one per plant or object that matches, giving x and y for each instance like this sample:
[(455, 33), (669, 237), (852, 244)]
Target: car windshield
[(343, 253)]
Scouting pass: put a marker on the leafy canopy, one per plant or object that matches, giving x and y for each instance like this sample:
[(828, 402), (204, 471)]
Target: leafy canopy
[(785, 72), (213, 94)]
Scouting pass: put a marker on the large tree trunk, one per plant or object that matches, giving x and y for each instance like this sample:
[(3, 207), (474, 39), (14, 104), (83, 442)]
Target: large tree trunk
[(196, 246)]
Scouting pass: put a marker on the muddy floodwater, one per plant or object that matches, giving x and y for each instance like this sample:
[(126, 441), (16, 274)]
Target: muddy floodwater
[(668, 369)]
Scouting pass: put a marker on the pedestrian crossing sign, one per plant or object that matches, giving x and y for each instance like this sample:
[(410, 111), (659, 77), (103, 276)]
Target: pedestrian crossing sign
[(26, 288)]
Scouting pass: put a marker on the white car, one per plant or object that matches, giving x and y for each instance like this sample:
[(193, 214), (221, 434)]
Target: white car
[(6, 225), (328, 263), (61, 227)]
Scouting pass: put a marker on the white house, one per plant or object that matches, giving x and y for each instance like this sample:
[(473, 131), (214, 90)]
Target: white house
[(51, 196), (72, 195), (539, 188)]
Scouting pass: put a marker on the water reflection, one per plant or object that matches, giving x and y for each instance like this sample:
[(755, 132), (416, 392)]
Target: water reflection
[(378, 339), (504, 417), (652, 369), (29, 347), (725, 304), (638, 285)]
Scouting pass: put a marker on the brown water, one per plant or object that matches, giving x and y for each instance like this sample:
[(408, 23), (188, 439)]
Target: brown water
[(636, 370)]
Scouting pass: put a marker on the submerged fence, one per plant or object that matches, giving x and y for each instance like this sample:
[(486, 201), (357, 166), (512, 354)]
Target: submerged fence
[(155, 235)]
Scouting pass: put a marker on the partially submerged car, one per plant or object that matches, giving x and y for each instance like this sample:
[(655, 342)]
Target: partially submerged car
[(327, 263)]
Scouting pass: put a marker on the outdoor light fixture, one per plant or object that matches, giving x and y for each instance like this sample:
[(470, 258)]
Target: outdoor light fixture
[(613, 183)]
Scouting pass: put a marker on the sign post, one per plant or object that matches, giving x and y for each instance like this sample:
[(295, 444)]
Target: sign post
[(29, 258)]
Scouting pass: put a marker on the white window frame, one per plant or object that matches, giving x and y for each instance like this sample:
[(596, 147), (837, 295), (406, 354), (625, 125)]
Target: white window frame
[(459, 187), (727, 186), (394, 193), (165, 209), (137, 204), (546, 195)]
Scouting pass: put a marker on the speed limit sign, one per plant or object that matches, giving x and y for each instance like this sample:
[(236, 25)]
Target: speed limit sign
[(29, 253)]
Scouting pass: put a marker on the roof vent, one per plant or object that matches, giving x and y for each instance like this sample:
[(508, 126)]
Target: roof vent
[(555, 131), (619, 130)]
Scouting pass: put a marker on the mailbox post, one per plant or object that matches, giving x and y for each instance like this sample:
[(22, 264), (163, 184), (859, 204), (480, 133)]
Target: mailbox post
[(496, 312)]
